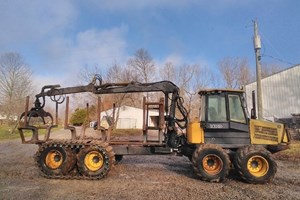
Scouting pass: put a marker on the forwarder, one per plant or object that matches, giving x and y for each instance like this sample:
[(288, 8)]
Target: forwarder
[(222, 135)]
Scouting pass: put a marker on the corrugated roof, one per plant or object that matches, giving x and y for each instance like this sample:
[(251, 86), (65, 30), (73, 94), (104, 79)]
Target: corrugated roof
[(281, 93), (286, 69)]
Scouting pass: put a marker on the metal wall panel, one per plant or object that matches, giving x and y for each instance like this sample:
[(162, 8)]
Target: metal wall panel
[(281, 94)]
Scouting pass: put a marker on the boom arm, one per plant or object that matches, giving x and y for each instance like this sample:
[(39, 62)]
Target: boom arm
[(97, 87), (111, 88)]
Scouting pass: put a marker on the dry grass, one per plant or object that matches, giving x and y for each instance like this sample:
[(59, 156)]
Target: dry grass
[(127, 132), (5, 133), (293, 153)]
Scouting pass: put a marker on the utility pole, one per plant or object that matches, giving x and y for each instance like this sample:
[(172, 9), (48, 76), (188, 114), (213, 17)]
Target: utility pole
[(257, 47)]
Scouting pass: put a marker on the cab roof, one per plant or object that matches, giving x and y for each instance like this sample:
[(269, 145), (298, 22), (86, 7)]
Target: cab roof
[(219, 91)]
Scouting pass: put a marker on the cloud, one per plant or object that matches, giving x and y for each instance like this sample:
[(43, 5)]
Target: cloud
[(65, 56), (25, 21), (44, 31), (102, 47), (40, 80), (130, 5), (176, 59), (179, 59)]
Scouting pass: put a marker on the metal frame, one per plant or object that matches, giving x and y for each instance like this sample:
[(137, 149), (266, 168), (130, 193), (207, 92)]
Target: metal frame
[(167, 109)]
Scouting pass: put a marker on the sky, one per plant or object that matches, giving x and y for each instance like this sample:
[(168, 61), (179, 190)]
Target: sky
[(58, 38)]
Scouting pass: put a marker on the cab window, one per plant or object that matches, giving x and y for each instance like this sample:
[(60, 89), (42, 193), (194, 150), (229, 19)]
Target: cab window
[(236, 109), (216, 108), (202, 109)]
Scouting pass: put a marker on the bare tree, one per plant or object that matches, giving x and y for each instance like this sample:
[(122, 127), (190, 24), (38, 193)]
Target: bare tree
[(142, 69), (235, 72), (189, 83), (85, 76), (87, 73), (15, 84), (142, 65), (118, 74), (268, 69), (186, 73), (168, 72), (244, 76), (190, 79), (115, 73)]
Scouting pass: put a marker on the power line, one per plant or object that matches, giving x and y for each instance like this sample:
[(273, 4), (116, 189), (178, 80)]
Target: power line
[(278, 59), (269, 43)]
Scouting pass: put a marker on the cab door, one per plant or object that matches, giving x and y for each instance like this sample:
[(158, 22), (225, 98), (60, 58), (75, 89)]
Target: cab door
[(225, 122), (237, 113)]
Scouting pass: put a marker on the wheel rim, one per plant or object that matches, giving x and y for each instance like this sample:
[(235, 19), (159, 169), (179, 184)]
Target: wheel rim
[(93, 160), (258, 166), (212, 164), (54, 159)]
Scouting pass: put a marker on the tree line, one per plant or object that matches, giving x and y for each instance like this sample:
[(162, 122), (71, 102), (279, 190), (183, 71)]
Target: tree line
[(190, 78), (16, 79), (15, 85)]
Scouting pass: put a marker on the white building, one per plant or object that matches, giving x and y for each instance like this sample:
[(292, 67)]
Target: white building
[(129, 117), (280, 94), (4, 117)]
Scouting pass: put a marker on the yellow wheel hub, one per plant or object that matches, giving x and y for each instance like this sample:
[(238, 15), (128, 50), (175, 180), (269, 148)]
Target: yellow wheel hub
[(54, 159), (212, 164), (93, 160), (258, 166)]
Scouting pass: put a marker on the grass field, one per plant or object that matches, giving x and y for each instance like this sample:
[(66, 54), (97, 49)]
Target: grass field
[(126, 132), (5, 133), (292, 153)]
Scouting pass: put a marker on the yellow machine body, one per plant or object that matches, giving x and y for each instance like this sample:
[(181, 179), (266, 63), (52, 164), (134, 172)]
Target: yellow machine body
[(270, 133), (195, 134), (261, 132)]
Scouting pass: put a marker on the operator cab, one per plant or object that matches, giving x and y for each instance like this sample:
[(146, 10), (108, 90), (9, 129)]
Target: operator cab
[(224, 117)]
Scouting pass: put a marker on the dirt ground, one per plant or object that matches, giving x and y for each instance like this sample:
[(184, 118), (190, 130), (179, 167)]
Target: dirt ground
[(136, 177)]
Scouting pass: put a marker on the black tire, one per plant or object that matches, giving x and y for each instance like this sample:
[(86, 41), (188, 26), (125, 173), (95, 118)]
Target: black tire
[(95, 161), (211, 163), (55, 160), (255, 164)]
